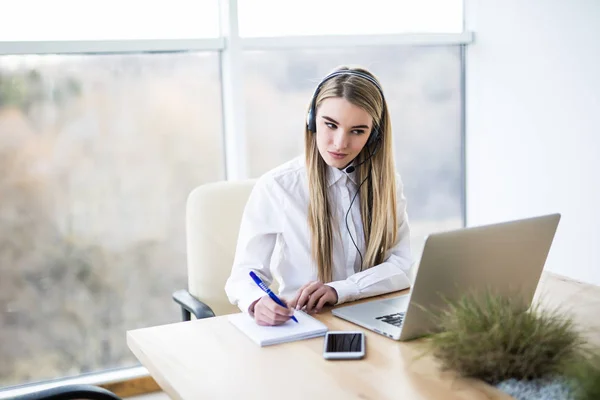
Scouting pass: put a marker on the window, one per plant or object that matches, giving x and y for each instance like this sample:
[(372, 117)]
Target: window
[(99, 151), (336, 17), (109, 20), (423, 90), (97, 156)]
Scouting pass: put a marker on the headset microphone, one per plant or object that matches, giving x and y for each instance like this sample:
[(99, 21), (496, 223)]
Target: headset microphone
[(352, 168)]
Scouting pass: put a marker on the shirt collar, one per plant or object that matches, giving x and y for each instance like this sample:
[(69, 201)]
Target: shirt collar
[(335, 174)]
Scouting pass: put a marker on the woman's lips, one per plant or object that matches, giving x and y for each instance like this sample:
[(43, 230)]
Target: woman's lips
[(337, 156)]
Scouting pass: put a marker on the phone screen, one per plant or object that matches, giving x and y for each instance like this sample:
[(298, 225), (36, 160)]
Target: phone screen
[(344, 343)]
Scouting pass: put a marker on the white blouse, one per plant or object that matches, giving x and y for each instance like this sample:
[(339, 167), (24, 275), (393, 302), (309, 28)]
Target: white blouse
[(274, 240)]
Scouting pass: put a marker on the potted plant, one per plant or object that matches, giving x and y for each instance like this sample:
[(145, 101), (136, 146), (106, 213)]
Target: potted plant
[(529, 353)]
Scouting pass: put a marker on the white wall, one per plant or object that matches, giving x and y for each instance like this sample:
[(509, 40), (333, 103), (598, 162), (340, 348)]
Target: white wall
[(533, 122)]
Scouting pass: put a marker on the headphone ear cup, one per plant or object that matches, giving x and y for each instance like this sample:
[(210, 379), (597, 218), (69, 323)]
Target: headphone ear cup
[(310, 121), (374, 137)]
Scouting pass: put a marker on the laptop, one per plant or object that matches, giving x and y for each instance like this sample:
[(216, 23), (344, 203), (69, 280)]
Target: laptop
[(507, 258)]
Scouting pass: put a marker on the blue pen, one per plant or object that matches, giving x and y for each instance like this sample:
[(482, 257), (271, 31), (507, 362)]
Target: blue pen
[(269, 292)]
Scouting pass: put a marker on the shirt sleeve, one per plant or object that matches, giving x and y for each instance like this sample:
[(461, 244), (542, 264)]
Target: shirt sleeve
[(259, 228), (389, 276)]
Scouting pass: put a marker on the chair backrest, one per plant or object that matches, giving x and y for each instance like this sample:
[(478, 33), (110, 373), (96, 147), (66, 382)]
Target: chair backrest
[(213, 217)]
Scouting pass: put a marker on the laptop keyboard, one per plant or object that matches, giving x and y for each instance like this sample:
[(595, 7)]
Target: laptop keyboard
[(392, 319)]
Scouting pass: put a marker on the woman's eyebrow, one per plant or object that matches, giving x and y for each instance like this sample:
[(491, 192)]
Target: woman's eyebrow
[(330, 120), (337, 123)]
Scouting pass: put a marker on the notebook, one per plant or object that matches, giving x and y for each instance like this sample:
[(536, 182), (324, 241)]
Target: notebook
[(306, 328)]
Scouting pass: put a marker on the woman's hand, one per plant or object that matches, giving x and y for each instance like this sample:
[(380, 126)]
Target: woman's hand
[(267, 312), (314, 295)]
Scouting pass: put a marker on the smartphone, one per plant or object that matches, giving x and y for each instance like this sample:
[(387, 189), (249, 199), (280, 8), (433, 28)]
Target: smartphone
[(344, 345)]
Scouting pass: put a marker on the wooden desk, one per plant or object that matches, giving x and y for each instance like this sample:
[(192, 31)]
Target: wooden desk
[(211, 359)]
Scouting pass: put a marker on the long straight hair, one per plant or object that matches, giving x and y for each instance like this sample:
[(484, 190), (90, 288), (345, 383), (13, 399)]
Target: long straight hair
[(377, 195)]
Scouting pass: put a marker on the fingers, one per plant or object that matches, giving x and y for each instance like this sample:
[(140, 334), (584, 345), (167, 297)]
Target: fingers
[(292, 303), (261, 322), (330, 297), (276, 308), (306, 293), (314, 298), (325, 299), (267, 312), (267, 318), (313, 295)]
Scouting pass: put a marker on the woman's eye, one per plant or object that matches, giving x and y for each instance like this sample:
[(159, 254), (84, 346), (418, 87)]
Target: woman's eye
[(330, 125), (358, 132)]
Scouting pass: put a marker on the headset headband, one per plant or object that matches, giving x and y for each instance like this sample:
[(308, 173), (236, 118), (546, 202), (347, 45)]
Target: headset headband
[(310, 118)]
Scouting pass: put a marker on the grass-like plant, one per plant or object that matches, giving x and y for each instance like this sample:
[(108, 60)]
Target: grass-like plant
[(495, 338), (584, 375)]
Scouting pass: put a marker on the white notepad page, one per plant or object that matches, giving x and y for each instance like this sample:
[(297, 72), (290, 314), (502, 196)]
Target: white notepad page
[(306, 328)]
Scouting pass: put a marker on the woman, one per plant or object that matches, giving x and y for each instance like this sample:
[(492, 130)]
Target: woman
[(330, 227)]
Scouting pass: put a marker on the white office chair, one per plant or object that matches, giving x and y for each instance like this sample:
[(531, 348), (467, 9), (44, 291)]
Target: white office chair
[(213, 216)]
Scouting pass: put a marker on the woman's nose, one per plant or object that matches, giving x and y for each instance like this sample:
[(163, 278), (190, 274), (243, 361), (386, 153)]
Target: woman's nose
[(340, 140)]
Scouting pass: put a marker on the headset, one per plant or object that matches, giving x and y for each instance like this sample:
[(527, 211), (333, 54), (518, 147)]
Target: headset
[(374, 138), (311, 117)]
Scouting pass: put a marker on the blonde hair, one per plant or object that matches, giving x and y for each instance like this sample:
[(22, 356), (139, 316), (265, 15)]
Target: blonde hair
[(377, 194)]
